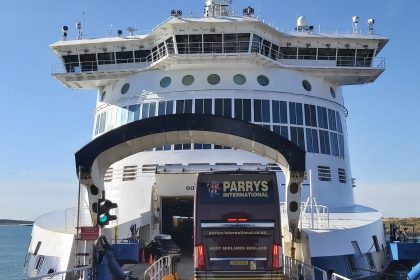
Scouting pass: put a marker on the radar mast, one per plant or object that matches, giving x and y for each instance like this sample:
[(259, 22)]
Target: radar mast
[(217, 8)]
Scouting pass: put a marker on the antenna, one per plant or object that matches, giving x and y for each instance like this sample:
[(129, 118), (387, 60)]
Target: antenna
[(355, 20), (79, 30), (131, 30), (65, 30), (371, 22)]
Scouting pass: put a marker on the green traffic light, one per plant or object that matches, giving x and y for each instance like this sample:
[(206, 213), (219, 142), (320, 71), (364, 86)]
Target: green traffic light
[(103, 218)]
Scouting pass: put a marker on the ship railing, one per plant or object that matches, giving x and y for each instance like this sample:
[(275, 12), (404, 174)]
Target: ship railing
[(299, 270), (162, 267), (314, 217), (85, 219), (75, 273), (114, 63)]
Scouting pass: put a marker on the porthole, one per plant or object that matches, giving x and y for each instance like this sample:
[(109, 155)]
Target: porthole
[(165, 82), (263, 80), (332, 91), (213, 79), (239, 79), (188, 80), (125, 88), (306, 85), (103, 94)]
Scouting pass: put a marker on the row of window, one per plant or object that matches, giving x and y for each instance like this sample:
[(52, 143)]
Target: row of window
[(130, 172), (314, 128), (218, 43), (212, 79)]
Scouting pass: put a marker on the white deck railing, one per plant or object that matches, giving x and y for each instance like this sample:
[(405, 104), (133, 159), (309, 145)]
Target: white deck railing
[(311, 217), (159, 269)]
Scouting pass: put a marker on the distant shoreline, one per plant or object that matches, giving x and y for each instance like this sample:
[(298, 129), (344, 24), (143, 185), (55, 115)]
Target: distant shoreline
[(7, 222)]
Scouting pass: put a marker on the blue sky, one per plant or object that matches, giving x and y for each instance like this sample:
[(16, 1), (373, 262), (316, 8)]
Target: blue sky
[(44, 124)]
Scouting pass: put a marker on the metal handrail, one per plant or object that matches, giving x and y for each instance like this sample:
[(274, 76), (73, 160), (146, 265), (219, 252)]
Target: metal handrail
[(336, 276), (63, 274), (159, 269), (300, 270)]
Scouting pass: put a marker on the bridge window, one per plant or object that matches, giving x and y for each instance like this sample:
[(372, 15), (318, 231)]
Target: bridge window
[(88, 62), (142, 56), (274, 51), (289, 52), (364, 57), (71, 62), (265, 48), (345, 57), (148, 110), (296, 113), (307, 53), (243, 109), (212, 43), (327, 54), (256, 43), (106, 58), (125, 57), (236, 43), (170, 45)]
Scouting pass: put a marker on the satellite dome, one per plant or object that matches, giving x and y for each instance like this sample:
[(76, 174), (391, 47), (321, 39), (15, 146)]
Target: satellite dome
[(301, 21)]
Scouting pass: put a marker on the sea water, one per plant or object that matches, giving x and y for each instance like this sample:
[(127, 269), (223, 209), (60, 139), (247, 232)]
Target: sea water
[(14, 241)]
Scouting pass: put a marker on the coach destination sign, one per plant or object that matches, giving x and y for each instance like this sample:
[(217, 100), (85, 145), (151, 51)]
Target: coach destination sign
[(254, 188)]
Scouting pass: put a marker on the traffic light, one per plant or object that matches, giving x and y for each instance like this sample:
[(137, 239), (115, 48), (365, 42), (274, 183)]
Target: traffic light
[(103, 215)]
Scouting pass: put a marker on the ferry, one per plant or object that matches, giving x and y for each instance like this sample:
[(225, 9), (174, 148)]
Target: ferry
[(224, 92)]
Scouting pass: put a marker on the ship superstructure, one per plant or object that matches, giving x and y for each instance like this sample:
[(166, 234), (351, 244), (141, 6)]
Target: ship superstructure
[(237, 67)]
